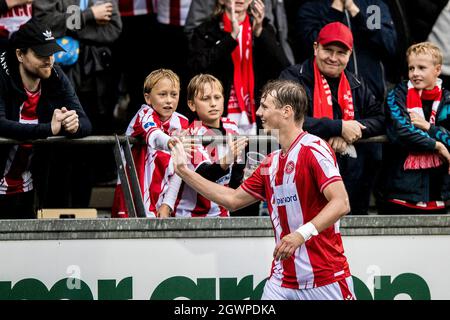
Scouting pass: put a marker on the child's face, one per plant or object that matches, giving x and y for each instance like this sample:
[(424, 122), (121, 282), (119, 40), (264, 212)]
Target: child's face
[(422, 71), (163, 98), (208, 105)]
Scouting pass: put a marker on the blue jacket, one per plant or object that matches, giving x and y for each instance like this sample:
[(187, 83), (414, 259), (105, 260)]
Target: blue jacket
[(404, 137), (372, 46)]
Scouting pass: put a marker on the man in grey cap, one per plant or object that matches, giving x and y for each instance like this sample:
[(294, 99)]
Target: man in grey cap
[(36, 101)]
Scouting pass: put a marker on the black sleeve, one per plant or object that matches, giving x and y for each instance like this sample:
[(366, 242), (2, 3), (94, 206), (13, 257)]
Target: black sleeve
[(323, 127), (3, 7), (211, 171), (237, 174), (13, 129), (372, 115), (206, 52), (69, 99)]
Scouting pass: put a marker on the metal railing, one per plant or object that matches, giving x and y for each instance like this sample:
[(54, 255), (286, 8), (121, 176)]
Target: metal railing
[(124, 161)]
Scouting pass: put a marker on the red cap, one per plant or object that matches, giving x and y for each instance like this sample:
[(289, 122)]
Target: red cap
[(336, 32)]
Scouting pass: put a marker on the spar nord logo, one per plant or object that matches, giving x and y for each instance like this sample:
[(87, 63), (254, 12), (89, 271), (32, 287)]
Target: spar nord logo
[(284, 200)]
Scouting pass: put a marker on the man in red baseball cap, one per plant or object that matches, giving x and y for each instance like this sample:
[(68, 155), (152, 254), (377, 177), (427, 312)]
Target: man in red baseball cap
[(333, 49), (342, 109)]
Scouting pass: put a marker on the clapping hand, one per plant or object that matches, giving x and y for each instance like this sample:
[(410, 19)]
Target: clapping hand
[(419, 122), (102, 12), (257, 10), (235, 148)]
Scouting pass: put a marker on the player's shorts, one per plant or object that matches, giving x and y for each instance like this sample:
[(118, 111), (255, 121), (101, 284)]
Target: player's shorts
[(339, 290)]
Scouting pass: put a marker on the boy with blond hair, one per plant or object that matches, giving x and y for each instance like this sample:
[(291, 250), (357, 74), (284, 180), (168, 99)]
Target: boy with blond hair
[(155, 123), (214, 162), (418, 118)]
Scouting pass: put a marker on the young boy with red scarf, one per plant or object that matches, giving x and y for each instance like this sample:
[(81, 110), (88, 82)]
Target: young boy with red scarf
[(417, 160), (341, 110)]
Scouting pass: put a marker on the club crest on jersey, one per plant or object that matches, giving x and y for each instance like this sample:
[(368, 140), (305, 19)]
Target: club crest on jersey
[(289, 168), (149, 124)]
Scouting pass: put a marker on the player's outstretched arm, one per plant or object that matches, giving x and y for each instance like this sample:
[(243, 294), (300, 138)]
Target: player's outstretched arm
[(337, 207), (232, 199)]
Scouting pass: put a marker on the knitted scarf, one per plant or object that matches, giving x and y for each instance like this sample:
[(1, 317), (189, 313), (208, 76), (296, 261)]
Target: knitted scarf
[(243, 110), (414, 97), (323, 104)]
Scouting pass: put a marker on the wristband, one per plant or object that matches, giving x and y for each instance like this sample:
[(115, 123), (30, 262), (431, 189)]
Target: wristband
[(307, 231)]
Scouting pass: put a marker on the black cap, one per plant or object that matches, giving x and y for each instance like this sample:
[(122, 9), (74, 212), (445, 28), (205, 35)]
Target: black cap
[(37, 37)]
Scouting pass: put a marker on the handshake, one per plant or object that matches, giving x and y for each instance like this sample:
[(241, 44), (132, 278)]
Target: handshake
[(64, 119)]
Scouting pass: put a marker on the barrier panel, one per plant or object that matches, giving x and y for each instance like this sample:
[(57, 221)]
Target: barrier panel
[(391, 257)]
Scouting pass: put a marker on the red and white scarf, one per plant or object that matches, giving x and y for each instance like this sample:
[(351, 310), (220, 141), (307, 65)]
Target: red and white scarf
[(241, 107), (414, 97), (323, 103)]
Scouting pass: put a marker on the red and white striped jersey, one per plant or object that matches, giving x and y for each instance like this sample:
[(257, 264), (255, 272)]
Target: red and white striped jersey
[(11, 20), (152, 161), (17, 176), (190, 203), (135, 7), (292, 184), (173, 12)]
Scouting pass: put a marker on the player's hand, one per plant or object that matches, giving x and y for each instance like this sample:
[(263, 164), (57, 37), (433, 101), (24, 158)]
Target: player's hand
[(338, 144), (352, 130), (419, 122), (70, 121), (443, 153), (287, 246), (164, 211), (258, 11), (179, 157)]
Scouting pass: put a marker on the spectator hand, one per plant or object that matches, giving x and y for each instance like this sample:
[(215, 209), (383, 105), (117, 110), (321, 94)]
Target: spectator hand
[(287, 246), (257, 10), (338, 5), (338, 144), (351, 130), (57, 118), (164, 211), (15, 3), (351, 7), (102, 12), (70, 121), (189, 143), (419, 122), (235, 148), (443, 152)]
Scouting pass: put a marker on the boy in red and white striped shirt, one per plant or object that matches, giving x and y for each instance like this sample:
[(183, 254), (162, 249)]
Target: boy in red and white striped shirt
[(214, 162), (306, 198), (155, 122)]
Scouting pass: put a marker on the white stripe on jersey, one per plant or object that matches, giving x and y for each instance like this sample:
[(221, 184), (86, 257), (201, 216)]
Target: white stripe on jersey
[(163, 9)]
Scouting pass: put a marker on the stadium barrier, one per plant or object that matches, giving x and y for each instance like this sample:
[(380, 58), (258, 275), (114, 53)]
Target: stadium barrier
[(390, 257), (125, 164)]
